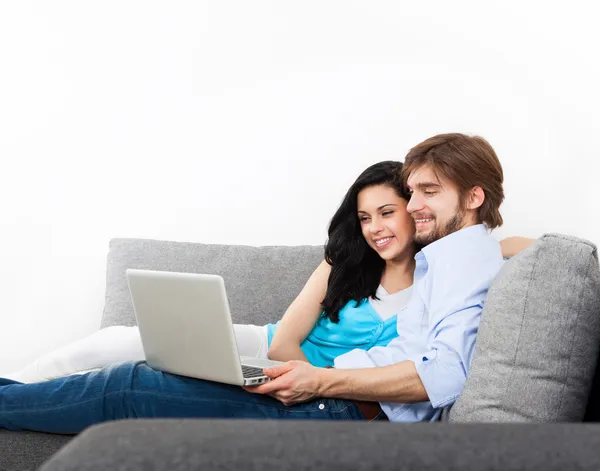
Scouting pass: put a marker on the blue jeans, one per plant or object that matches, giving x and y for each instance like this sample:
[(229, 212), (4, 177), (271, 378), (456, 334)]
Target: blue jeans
[(134, 390)]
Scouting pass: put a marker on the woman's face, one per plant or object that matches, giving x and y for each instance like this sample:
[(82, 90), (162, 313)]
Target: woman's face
[(386, 225)]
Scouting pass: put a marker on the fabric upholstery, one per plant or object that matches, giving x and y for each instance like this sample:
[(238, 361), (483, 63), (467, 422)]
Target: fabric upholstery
[(182, 445), (26, 451), (261, 282), (539, 337)]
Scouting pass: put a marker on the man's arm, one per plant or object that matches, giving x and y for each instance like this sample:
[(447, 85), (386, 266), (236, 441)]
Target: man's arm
[(436, 373), (297, 381), (394, 383), (511, 246), (383, 374)]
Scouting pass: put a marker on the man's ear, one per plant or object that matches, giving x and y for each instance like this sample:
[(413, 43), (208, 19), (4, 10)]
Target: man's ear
[(475, 197)]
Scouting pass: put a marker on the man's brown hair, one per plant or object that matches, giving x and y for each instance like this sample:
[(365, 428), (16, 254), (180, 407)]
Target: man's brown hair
[(467, 161)]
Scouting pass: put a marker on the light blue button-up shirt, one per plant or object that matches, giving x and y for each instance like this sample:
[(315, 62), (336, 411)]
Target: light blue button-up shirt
[(437, 329)]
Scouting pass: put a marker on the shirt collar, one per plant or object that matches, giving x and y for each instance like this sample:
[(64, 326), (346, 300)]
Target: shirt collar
[(459, 240)]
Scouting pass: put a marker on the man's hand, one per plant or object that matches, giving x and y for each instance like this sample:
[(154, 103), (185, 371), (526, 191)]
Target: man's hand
[(291, 383)]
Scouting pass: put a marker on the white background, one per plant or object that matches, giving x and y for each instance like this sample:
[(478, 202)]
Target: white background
[(245, 122)]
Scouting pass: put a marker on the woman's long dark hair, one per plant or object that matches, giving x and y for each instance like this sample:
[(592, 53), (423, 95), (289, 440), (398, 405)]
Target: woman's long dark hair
[(356, 268)]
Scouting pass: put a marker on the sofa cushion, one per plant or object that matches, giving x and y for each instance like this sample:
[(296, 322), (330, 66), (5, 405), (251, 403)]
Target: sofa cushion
[(284, 445), (261, 282), (539, 337)]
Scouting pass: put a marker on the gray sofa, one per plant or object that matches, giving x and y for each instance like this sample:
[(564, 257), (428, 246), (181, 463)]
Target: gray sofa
[(533, 377)]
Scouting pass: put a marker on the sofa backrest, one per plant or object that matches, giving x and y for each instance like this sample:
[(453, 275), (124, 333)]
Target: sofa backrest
[(261, 282)]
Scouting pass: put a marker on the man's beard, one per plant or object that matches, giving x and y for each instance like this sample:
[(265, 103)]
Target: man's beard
[(454, 224)]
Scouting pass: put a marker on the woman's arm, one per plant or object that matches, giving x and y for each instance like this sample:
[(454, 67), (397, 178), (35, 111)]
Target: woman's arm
[(511, 246), (300, 317)]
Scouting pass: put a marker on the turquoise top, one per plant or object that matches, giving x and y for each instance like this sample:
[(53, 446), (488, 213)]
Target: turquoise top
[(359, 327)]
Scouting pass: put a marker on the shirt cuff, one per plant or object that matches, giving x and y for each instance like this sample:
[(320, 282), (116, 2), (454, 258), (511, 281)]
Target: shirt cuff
[(442, 376)]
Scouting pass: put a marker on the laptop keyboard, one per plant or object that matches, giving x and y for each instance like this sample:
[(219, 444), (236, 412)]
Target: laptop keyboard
[(251, 371)]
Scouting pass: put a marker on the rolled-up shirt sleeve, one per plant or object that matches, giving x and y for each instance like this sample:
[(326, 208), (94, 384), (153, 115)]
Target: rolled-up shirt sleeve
[(443, 367), (442, 364)]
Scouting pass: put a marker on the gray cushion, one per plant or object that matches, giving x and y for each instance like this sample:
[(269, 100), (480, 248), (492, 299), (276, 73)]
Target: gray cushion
[(539, 337), (261, 282), (26, 451), (182, 445)]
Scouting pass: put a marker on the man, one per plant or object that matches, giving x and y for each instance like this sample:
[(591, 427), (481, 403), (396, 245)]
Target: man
[(455, 183)]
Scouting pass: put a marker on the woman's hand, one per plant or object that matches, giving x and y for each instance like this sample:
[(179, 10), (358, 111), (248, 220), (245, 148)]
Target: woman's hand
[(511, 246)]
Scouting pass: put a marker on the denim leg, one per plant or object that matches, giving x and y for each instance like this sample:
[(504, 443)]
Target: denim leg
[(134, 390)]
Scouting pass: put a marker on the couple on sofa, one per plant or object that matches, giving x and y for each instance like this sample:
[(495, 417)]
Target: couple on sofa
[(384, 329)]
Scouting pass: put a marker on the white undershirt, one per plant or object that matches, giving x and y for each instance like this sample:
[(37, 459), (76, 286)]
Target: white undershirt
[(389, 305), (253, 340)]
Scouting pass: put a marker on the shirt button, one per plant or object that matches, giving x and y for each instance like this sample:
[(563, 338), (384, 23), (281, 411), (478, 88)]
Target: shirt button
[(321, 406)]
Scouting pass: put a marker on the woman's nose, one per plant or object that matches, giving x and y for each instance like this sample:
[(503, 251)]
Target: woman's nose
[(376, 227)]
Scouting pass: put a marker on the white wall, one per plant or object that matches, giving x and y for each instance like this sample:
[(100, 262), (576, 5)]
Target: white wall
[(244, 122)]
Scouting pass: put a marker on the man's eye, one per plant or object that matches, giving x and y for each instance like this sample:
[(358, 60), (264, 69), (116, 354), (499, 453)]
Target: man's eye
[(430, 193)]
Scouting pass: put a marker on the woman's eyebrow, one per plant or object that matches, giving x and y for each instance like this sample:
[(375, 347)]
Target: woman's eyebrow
[(378, 209)]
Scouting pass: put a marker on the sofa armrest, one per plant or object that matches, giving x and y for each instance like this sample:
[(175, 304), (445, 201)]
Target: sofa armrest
[(190, 444)]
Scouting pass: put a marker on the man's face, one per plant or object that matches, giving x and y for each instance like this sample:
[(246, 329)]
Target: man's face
[(434, 205)]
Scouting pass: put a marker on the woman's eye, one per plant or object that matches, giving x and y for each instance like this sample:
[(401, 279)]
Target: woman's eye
[(385, 213), (363, 219)]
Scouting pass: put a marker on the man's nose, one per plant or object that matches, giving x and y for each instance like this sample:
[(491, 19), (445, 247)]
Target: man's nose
[(414, 204)]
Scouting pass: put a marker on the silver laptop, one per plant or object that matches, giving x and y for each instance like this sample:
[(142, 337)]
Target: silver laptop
[(186, 328)]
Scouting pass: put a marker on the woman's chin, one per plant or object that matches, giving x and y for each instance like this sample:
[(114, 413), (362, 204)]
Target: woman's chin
[(387, 254)]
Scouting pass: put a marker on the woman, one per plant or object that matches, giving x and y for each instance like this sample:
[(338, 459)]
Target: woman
[(350, 301), (324, 320)]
